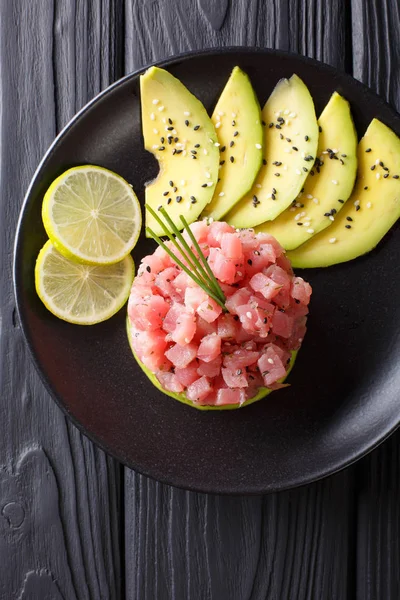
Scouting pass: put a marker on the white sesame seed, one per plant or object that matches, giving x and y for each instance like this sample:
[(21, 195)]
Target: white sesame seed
[(293, 115), (300, 340), (155, 131), (186, 113), (209, 183), (368, 204), (258, 185), (218, 124), (152, 116), (331, 218), (234, 115), (217, 144), (307, 224), (315, 200), (187, 340), (334, 182), (377, 161), (332, 240), (155, 146), (258, 146), (160, 108), (300, 195), (164, 120), (335, 150), (378, 175), (221, 194), (174, 131), (325, 152), (297, 133), (221, 113), (271, 362), (278, 113), (303, 213), (309, 196), (205, 151), (184, 153), (183, 182), (207, 175), (298, 204), (179, 145), (297, 217), (303, 155), (285, 167), (210, 220), (248, 314), (292, 209), (357, 203), (310, 230), (287, 150), (239, 272), (286, 112), (155, 101), (298, 171)]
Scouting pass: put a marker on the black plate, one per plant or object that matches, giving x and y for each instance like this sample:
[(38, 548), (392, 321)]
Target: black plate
[(345, 387)]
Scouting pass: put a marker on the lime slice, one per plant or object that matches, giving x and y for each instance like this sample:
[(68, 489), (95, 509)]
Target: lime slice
[(78, 293), (92, 215)]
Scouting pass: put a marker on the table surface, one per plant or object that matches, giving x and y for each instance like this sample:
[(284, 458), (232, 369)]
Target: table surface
[(75, 524)]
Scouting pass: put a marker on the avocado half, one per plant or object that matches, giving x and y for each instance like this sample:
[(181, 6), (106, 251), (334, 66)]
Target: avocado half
[(291, 140), (237, 121), (180, 134), (371, 210), (329, 183), (182, 398)]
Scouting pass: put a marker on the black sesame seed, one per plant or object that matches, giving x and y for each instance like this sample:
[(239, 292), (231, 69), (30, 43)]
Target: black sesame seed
[(265, 162), (231, 159), (288, 140), (171, 183), (192, 198), (197, 145), (178, 151), (239, 372), (166, 193), (366, 187), (249, 262), (178, 199), (204, 185), (235, 134), (233, 123), (196, 127), (175, 151), (295, 149), (273, 190), (169, 200), (327, 214), (161, 148), (333, 211), (193, 156), (341, 161), (349, 219), (297, 301), (223, 149), (277, 174), (162, 140), (186, 123), (305, 170), (169, 139), (236, 317), (386, 168), (222, 163), (174, 189), (395, 176), (386, 175), (169, 128), (344, 155), (311, 172), (255, 199), (348, 226), (358, 207), (148, 269), (159, 207), (299, 223), (381, 163), (320, 129), (306, 138), (193, 201), (170, 121), (231, 144), (341, 201), (270, 125), (280, 120), (368, 150), (373, 168), (273, 196), (278, 127)]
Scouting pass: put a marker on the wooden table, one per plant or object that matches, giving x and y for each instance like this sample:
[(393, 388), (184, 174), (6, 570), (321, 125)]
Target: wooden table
[(75, 524)]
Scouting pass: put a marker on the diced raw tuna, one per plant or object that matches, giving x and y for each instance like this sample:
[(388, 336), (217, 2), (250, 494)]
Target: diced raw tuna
[(181, 356), (234, 378), (199, 390), (301, 290), (210, 348), (240, 359), (164, 282), (227, 326), (265, 285), (271, 366), (230, 396), (194, 296), (204, 328), (170, 382), (216, 231), (231, 246), (209, 310), (200, 231), (169, 323), (237, 299), (188, 374), (185, 328), (282, 324), (223, 268), (210, 369), (150, 347)]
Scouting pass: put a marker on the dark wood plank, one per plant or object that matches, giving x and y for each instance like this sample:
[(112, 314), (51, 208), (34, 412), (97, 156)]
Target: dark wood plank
[(59, 495), (193, 546), (376, 39)]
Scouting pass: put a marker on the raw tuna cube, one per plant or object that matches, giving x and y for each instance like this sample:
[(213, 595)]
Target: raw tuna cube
[(181, 282), (265, 285), (163, 282), (248, 240), (154, 262), (267, 239), (230, 396), (148, 315), (240, 359), (181, 356), (234, 378), (204, 328), (150, 347), (301, 290), (216, 231), (169, 323), (188, 374), (227, 326), (282, 324), (223, 268), (210, 369), (210, 348), (231, 246), (169, 381), (185, 328), (194, 296), (209, 310), (164, 257), (200, 231), (271, 367), (237, 299), (284, 263), (248, 316), (199, 390)]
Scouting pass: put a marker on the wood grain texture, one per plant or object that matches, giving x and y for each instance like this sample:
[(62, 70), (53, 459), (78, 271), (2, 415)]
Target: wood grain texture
[(59, 495), (193, 546)]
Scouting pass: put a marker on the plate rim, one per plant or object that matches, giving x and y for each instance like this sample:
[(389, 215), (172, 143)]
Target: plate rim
[(121, 457)]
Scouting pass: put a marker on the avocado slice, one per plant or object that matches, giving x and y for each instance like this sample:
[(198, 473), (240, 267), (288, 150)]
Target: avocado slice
[(182, 398), (180, 134), (237, 121), (371, 210), (329, 183), (291, 140)]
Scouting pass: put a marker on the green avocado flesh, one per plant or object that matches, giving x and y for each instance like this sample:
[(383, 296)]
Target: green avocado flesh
[(290, 141), (371, 210), (180, 134), (329, 183), (237, 121), (182, 398)]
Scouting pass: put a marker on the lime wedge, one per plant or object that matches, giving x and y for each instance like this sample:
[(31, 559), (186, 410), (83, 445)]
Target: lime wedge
[(92, 215), (78, 293)]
